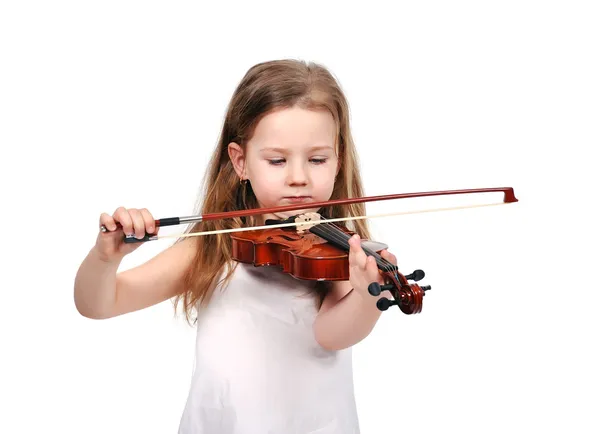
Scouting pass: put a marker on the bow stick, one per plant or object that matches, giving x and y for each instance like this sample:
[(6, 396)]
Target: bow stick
[(509, 197)]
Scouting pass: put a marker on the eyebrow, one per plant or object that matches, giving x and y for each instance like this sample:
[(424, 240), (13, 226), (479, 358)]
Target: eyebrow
[(283, 150)]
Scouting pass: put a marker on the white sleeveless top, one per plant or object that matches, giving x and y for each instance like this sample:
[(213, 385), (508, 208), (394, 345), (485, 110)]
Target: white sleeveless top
[(258, 368)]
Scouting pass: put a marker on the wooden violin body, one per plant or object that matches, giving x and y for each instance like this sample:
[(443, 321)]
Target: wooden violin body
[(304, 256)]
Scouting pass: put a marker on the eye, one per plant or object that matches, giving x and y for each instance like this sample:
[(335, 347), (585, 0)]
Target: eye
[(276, 161), (318, 160)]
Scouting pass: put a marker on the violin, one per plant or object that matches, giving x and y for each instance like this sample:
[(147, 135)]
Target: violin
[(320, 252), (309, 247)]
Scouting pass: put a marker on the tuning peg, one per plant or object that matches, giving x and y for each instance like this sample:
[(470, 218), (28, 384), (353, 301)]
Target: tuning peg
[(384, 303), (375, 288), (415, 275), (426, 288)]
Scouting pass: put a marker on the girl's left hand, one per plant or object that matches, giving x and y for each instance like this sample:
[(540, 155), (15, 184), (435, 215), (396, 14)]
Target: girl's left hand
[(363, 268)]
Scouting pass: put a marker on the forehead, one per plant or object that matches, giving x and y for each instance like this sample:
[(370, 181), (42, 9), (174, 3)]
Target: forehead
[(295, 127)]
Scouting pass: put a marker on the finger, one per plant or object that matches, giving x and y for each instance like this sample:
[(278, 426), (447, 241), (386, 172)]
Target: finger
[(356, 256), (389, 256), (122, 216), (108, 222), (148, 220), (139, 226), (372, 270)]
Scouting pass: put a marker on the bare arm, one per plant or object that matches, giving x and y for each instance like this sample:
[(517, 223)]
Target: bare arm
[(101, 292), (95, 285), (349, 312), (345, 318)]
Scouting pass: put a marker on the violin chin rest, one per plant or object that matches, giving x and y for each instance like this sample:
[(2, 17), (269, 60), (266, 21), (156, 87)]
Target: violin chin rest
[(373, 245)]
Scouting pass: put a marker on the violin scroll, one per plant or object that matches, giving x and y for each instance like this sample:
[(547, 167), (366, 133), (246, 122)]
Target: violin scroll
[(407, 296)]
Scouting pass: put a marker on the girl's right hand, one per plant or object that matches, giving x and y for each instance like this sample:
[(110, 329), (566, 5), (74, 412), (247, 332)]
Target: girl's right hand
[(110, 245)]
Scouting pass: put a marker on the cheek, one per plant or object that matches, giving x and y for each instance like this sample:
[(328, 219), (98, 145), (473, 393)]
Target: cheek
[(324, 191), (266, 188), (323, 182)]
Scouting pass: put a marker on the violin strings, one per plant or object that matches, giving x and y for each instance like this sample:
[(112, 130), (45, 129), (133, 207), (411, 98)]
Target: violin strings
[(342, 237), (335, 233)]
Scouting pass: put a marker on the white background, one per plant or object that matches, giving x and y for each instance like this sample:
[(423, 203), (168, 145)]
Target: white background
[(113, 103)]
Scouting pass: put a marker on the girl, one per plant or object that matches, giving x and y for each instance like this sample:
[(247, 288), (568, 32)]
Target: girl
[(269, 359)]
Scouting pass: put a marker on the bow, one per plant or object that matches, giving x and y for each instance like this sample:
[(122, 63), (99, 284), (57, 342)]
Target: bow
[(509, 197)]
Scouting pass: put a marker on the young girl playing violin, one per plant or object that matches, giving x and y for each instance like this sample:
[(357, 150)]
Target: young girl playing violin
[(273, 352)]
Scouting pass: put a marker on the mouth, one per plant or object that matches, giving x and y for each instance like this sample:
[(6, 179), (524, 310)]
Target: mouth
[(297, 199)]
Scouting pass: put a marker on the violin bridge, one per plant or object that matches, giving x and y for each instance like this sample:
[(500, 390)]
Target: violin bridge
[(302, 221)]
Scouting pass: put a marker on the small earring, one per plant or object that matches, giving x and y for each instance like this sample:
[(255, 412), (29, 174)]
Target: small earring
[(243, 181)]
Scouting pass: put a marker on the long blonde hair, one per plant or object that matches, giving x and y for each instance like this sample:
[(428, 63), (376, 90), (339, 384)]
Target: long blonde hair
[(265, 87)]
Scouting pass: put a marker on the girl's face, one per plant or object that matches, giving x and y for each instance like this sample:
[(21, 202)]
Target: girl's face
[(290, 159)]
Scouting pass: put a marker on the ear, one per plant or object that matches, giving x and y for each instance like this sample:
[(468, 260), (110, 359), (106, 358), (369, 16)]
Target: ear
[(238, 160)]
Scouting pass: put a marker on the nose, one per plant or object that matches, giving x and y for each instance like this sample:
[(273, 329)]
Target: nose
[(297, 174)]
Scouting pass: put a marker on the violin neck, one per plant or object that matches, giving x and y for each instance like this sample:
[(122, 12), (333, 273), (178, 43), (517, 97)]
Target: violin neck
[(339, 238)]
